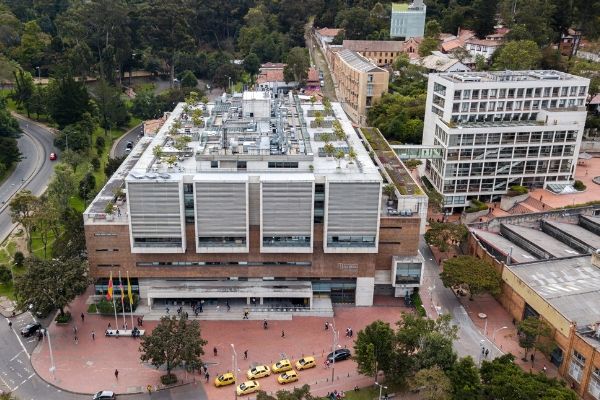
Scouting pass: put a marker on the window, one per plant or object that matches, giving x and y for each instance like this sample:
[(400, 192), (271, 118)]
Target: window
[(214, 164), (242, 164), (280, 164), (351, 241), (104, 234), (594, 385), (221, 241), (576, 366), (286, 241)]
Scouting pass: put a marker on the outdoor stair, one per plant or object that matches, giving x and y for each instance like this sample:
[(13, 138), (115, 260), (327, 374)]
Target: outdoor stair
[(536, 204), (521, 208)]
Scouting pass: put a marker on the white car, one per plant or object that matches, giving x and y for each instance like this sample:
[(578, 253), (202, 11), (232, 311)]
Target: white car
[(104, 395)]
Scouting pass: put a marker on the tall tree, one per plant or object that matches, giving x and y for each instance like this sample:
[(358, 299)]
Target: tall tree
[(298, 63), (373, 348), (48, 284), (68, 100), (472, 273), (536, 334), (70, 243), (484, 17), (168, 29), (23, 90), (30, 52), (62, 187), (444, 235), (22, 207), (466, 383), (112, 111), (432, 383), (517, 55), (46, 221), (172, 343)]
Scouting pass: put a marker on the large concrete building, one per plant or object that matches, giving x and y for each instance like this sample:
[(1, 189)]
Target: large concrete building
[(500, 129), (550, 269), (248, 204), (408, 20), (359, 82)]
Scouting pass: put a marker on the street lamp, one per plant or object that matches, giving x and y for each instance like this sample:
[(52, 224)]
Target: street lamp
[(228, 82), (496, 331), (234, 366), (336, 336), (39, 75), (381, 387), (53, 367)]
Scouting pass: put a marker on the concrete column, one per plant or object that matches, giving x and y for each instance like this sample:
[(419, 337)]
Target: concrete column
[(261, 301), (149, 303), (247, 300), (365, 288)]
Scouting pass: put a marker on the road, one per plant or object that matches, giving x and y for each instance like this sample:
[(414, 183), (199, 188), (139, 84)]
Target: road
[(470, 339), (17, 374), (33, 172), (120, 146), (318, 60)]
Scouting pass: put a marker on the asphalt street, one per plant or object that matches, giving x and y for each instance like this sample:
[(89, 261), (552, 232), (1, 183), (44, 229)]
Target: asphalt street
[(33, 172), (120, 148)]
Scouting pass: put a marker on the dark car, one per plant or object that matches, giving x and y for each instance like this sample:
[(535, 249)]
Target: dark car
[(339, 355), (30, 329)]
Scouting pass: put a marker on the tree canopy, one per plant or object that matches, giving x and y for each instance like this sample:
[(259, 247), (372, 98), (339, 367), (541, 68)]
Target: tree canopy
[(472, 273), (443, 235)]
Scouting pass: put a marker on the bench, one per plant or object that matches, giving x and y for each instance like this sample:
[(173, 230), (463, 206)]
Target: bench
[(123, 332)]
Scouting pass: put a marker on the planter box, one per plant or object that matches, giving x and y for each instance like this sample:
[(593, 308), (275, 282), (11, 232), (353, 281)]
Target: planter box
[(467, 218)]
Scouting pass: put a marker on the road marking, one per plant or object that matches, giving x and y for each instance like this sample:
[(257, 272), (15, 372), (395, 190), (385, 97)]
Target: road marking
[(22, 345), (12, 359)]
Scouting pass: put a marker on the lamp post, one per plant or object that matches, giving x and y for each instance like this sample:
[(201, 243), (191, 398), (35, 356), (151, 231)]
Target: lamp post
[(234, 366), (228, 83), (496, 331), (336, 335), (39, 71), (53, 367), (381, 387)]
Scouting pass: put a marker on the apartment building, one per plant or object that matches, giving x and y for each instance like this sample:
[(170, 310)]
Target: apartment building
[(408, 20), (499, 129), (251, 204), (359, 82), (382, 52)]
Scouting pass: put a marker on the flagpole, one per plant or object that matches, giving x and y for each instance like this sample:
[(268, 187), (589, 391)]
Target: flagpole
[(130, 299), (122, 298), (112, 296)]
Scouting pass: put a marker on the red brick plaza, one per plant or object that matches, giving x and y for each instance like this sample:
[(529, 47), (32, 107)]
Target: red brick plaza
[(88, 365)]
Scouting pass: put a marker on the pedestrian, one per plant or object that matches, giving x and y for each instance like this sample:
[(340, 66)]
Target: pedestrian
[(93, 335), (149, 389), (351, 332), (76, 339), (482, 350), (487, 352), (75, 330), (215, 351), (228, 306), (545, 369), (109, 325), (282, 333), (326, 325), (245, 354), (167, 310), (205, 368), (265, 325), (117, 374), (82, 318), (10, 324), (207, 376), (532, 358)]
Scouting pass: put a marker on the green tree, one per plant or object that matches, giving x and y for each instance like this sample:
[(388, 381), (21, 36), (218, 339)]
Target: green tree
[(188, 79), (471, 272), (30, 52), (62, 187), (329, 149), (8, 396), (374, 348), (87, 187), (112, 165), (466, 383), (433, 29), (443, 235), (427, 46), (536, 334), (432, 383), (68, 100), (252, 64), (18, 259), (5, 274), (172, 343), (146, 105), (390, 191), (296, 69), (38, 101), (49, 284), (356, 23), (46, 221), (484, 17), (536, 15), (112, 111), (72, 137), (23, 90), (22, 207), (72, 158), (518, 55), (70, 243)]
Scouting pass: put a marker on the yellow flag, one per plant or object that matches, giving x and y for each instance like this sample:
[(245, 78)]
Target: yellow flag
[(129, 290), (109, 294)]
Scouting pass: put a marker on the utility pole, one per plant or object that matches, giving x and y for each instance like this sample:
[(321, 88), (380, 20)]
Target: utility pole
[(234, 366)]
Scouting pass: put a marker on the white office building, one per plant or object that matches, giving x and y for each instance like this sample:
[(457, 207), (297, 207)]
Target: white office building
[(408, 20), (500, 129)]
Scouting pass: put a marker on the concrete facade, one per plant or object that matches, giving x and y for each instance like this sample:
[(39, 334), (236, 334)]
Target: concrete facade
[(408, 20)]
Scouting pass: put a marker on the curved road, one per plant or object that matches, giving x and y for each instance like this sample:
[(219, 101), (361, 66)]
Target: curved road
[(33, 172)]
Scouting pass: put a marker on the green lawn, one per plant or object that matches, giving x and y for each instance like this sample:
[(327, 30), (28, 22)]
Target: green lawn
[(7, 291), (37, 247)]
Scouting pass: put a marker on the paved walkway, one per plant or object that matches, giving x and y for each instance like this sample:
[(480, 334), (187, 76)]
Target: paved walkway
[(88, 365)]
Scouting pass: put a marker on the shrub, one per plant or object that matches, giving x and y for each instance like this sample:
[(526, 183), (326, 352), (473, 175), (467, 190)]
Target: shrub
[(100, 143), (416, 300), (105, 307), (18, 259), (476, 206), (5, 274), (95, 163), (578, 185), (517, 190), (92, 309), (168, 379), (64, 318)]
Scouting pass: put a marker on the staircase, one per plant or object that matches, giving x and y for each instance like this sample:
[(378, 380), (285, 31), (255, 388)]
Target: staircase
[(530, 205), (536, 204)]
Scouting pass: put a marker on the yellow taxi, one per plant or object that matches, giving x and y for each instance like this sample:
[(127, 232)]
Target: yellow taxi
[(225, 379), (247, 388), (281, 366), (260, 371), (287, 377), (305, 363)]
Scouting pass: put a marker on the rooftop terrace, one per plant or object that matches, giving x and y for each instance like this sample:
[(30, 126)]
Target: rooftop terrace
[(509, 76)]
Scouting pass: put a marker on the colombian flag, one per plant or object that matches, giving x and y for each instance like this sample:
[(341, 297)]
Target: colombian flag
[(109, 294)]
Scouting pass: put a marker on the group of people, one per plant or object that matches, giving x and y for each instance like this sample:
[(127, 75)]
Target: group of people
[(336, 394), (349, 332)]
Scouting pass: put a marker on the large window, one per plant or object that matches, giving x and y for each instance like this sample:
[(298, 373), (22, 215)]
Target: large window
[(351, 241), (576, 366), (157, 242), (594, 385), (221, 241), (408, 273), (286, 241)]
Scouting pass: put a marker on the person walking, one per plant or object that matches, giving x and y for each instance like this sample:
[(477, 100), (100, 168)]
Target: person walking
[(245, 354), (93, 335), (10, 324), (326, 325), (207, 376), (282, 333), (532, 357), (82, 318), (215, 351), (265, 324), (149, 389), (75, 330), (117, 374)]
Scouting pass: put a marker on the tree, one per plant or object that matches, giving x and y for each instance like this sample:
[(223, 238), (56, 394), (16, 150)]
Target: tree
[(62, 187), (112, 111), (45, 220), (518, 55), (30, 52), (72, 158), (484, 17), (301, 393), (38, 101), (475, 274), (356, 22), (68, 100), (172, 343), (188, 79), (412, 164), (146, 105), (329, 149), (445, 234), (338, 131), (72, 137), (401, 62), (390, 191), (319, 119), (338, 39), (535, 333), (433, 29), (70, 243), (252, 64), (298, 63), (5, 274), (464, 376), (87, 187), (49, 284), (374, 348), (22, 207), (8, 396), (432, 383), (18, 259), (23, 90), (428, 45)]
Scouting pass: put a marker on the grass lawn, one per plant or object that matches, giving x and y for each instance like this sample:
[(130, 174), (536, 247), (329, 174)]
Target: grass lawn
[(37, 247), (7, 291)]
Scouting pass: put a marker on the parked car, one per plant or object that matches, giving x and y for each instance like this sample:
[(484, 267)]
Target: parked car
[(104, 395), (53, 156), (287, 377), (305, 363), (129, 145), (247, 388), (281, 366), (224, 379), (260, 371), (339, 355), (30, 329)]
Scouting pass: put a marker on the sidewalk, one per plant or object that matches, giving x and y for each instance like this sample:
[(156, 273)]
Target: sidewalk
[(77, 362)]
